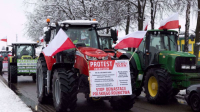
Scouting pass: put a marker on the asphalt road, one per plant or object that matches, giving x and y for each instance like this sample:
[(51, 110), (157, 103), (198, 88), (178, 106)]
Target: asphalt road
[(26, 90)]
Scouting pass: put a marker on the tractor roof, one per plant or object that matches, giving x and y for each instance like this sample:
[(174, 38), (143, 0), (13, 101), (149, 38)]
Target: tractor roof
[(104, 35), (27, 43), (79, 22)]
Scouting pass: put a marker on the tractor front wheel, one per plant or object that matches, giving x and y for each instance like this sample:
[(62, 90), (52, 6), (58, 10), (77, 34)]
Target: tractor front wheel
[(41, 74), (158, 86), (65, 90), (13, 74)]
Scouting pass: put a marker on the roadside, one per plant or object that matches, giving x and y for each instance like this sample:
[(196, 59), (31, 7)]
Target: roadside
[(9, 101)]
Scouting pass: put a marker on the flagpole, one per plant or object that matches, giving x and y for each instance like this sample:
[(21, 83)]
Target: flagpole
[(133, 54)]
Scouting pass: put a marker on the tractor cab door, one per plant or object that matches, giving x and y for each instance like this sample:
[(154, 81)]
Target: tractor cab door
[(141, 53)]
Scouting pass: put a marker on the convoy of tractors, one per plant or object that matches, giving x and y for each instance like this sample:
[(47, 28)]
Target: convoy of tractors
[(157, 67)]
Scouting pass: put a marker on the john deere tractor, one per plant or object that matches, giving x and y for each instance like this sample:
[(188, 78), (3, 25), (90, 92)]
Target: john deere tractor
[(22, 62), (160, 68)]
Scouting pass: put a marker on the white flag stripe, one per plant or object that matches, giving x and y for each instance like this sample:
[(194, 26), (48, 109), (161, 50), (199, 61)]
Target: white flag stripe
[(136, 34), (171, 18), (56, 43)]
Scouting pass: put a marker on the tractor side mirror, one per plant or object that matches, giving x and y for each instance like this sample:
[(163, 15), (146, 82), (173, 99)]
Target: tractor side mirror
[(7, 48), (192, 37), (114, 35), (47, 36)]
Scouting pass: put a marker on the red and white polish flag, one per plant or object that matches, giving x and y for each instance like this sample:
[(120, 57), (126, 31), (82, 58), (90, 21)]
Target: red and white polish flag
[(41, 39), (171, 22), (4, 39), (60, 43), (145, 25), (131, 40), (9, 54)]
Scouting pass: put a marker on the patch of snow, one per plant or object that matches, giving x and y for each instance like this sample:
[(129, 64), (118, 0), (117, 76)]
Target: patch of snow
[(10, 102)]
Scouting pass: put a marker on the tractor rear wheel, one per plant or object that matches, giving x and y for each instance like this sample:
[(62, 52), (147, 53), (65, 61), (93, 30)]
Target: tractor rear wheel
[(13, 73), (41, 74), (65, 90), (158, 86)]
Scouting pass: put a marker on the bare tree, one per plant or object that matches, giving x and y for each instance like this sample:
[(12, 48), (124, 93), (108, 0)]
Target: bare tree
[(187, 25)]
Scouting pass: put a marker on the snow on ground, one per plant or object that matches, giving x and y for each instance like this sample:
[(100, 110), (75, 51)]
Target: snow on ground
[(9, 101)]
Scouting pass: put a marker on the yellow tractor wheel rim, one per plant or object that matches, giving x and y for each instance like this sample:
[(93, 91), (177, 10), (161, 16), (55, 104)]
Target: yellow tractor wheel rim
[(153, 86)]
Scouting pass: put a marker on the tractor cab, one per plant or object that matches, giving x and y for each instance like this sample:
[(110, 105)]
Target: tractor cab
[(4, 55), (24, 50), (154, 44)]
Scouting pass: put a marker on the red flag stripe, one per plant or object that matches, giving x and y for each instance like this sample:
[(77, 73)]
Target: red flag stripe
[(5, 40), (171, 25), (129, 42)]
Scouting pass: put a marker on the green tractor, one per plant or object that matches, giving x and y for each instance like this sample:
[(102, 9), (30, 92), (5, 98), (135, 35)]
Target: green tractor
[(159, 68), (23, 61)]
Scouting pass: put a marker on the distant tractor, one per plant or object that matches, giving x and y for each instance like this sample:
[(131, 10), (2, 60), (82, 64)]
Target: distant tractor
[(63, 76), (106, 43), (23, 61), (3, 59), (160, 68)]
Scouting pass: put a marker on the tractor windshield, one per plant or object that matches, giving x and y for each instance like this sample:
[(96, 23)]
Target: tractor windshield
[(25, 50), (163, 42), (86, 35)]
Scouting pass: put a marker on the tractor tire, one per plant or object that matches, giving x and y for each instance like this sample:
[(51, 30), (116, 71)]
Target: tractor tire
[(1, 67), (124, 102), (158, 86), (34, 78), (138, 91), (65, 90), (8, 71), (41, 74), (13, 74)]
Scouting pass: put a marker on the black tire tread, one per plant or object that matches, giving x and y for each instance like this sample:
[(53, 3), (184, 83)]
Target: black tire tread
[(164, 93), (69, 90), (13, 73)]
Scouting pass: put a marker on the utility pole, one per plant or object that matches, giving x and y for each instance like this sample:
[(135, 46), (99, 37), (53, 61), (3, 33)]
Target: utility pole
[(16, 38)]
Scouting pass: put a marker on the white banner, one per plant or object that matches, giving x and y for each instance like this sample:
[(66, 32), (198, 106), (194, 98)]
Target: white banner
[(109, 78)]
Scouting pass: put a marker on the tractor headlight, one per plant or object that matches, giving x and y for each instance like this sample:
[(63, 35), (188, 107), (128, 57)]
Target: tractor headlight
[(187, 67), (193, 67), (183, 67), (90, 57)]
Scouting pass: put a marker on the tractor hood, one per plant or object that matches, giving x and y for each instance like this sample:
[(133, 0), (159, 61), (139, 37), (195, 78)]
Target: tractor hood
[(94, 52), (176, 53)]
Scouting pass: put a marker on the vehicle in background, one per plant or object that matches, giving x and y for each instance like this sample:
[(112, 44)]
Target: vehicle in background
[(193, 97), (4, 60), (23, 61)]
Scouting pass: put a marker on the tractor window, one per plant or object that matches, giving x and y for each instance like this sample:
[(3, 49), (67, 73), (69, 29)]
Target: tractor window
[(163, 42), (25, 50), (105, 42), (86, 35)]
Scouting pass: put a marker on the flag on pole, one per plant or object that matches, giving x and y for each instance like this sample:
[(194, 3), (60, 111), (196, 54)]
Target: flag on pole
[(171, 22), (41, 39), (131, 40), (9, 54), (145, 25), (4, 39), (60, 43)]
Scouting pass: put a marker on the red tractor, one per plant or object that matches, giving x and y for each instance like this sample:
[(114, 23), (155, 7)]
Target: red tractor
[(63, 76)]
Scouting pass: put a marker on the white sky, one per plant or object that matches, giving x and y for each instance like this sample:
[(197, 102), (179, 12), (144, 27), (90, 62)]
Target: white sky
[(13, 19)]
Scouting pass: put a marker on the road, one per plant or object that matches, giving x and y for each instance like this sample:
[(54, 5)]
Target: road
[(26, 90)]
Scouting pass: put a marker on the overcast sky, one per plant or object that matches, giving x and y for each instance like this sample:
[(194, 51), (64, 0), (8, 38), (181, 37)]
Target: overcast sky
[(12, 21)]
